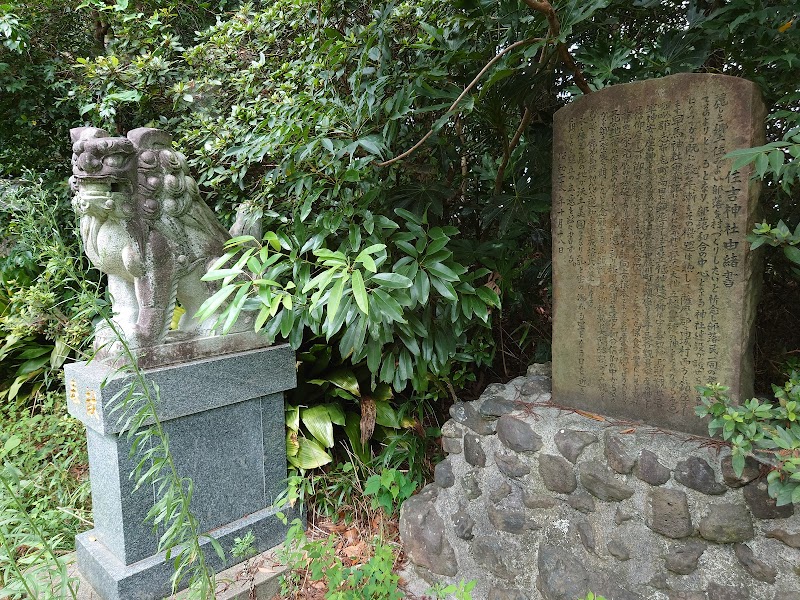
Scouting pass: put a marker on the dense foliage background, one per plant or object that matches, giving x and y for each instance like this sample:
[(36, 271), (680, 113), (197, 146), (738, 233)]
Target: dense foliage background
[(388, 269)]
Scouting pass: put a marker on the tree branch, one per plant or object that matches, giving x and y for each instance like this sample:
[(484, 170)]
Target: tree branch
[(463, 95), (501, 170), (554, 28)]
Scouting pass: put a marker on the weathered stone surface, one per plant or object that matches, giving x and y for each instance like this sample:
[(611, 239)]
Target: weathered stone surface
[(465, 413), (491, 553), (463, 524), (683, 560), (540, 370), (511, 465), (650, 470), (659, 582), (582, 502), (686, 595), (501, 593), (496, 406), (507, 519), (621, 515), (717, 591), (471, 482), (752, 469), (533, 499), (422, 530), (586, 535), (787, 593), (500, 492), (473, 450), (761, 505), (571, 443), (600, 482), (443, 474), (758, 569), (517, 435), (536, 384), (727, 524), (618, 323), (152, 241), (561, 575), (618, 550), (790, 539), (618, 452), (696, 473), (669, 513), (557, 474), (452, 445), (452, 429)]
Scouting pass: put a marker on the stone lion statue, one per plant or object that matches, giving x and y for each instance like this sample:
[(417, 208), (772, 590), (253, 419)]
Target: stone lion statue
[(143, 224)]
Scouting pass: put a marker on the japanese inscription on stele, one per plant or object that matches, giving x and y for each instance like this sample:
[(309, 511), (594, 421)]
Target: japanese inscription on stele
[(654, 284)]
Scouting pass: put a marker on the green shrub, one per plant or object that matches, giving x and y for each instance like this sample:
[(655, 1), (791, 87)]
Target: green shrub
[(766, 430), (44, 497), (48, 296)]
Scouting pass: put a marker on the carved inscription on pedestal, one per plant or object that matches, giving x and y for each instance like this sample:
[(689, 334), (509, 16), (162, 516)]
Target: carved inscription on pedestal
[(654, 282)]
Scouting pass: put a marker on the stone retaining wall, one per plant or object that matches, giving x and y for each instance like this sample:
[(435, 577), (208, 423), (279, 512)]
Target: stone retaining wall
[(535, 502)]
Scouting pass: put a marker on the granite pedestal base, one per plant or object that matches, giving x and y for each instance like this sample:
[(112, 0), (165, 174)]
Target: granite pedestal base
[(224, 417)]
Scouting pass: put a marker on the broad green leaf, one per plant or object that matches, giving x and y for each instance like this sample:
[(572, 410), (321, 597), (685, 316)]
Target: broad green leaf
[(776, 161), (368, 263), (386, 415), (392, 280), (336, 414), (345, 379), (792, 253), (488, 296), (310, 455), (336, 297), (214, 302), (317, 420), (445, 288), (359, 291), (292, 445)]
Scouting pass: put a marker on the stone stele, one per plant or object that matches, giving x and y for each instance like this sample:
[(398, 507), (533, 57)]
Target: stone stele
[(654, 285)]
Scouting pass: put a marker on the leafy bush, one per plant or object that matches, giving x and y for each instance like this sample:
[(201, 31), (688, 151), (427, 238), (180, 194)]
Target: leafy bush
[(770, 432), (44, 498), (48, 297)]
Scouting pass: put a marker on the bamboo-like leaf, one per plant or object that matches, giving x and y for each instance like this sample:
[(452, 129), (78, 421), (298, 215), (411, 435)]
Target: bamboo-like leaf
[(336, 297), (359, 291), (210, 306)]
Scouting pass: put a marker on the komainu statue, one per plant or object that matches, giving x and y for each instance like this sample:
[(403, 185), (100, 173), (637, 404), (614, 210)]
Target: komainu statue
[(143, 224)]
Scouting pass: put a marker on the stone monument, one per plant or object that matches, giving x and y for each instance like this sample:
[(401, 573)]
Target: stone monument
[(654, 284), (144, 225), (544, 497), (220, 398)]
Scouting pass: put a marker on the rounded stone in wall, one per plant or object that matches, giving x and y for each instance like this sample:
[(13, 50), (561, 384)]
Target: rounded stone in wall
[(557, 474), (571, 443), (600, 482), (697, 474), (517, 435), (668, 513), (727, 524)]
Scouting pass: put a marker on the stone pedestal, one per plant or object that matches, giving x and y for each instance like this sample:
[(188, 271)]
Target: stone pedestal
[(225, 420)]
